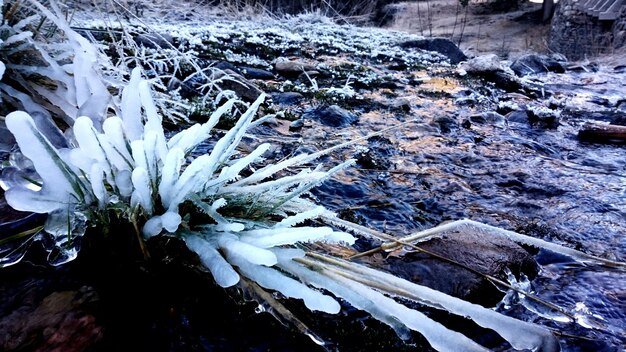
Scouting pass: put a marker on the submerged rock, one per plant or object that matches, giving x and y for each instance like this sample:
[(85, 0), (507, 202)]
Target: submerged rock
[(535, 63), (482, 253), (332, 116), (442, 46)]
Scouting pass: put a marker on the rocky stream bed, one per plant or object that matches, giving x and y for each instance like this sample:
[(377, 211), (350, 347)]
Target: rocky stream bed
[(474, 140)]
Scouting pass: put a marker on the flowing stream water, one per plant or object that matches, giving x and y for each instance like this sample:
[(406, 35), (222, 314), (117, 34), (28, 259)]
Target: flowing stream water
[(531, 178)]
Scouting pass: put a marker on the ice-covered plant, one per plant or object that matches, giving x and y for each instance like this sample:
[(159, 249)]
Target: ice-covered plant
[(51, 72)]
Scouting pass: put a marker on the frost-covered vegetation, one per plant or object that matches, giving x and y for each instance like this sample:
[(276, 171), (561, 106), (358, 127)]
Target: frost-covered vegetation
[(241, 216)]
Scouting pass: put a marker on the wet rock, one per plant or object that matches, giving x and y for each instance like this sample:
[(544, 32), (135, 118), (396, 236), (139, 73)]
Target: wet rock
[(256, 73), (292, 69), (370, 159), (397, 66), (225, 65), (544, 116), (442, 46), (489, 117), (155, 40), (185, 89), (231, 80), (446, 124), (402, 105), (296, 125), (534, 63), (517, 117), (388, 84), (306, 77), (491, 68), (57, 323), (287, 98), (600, 101), (619, 69), (483, 253), (467, 97), (332, 116), (485, 64), (619, 120)]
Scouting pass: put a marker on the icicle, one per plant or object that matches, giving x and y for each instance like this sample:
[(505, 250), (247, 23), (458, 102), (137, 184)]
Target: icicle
[(314, 278), (151, 156), (95, 108), (152, 227), (142, 192), (87, 138), (300, 217), (114, 129), (42, 202), (280, 236), (340, 237), (255, 255), (191, 180), (232, 172), (169, 175), (226, 145), (139, 154), (131, 107), (170, 221), (513, 236), (124, 183), (275, 280), (440, 338), (222, 271), (96, 178), (59, 178), (521, 335), (153, 120), (288, 181)]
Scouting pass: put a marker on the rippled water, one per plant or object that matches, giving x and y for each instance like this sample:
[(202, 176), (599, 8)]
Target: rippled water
[(532, 179)]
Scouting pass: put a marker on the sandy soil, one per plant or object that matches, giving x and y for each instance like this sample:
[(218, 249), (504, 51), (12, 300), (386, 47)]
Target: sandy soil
[(508, 34)]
